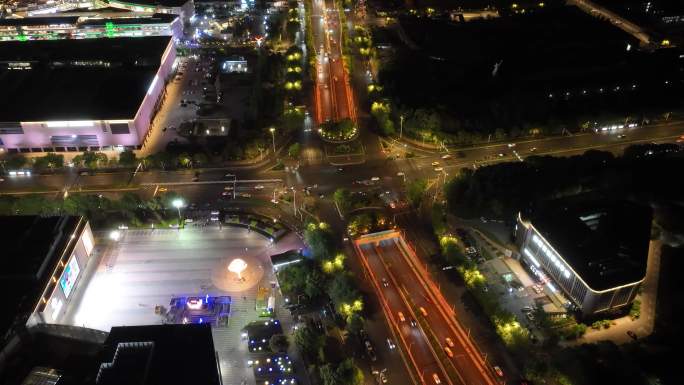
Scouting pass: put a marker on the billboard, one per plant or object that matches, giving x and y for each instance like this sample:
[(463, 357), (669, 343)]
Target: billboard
[(69, 276)]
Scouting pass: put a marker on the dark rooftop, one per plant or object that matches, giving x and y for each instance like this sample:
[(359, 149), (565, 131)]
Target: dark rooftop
[(154, 19), (32, 246), (89, 79), (40, 20), (159, 354), (163, 3), (605, 242)]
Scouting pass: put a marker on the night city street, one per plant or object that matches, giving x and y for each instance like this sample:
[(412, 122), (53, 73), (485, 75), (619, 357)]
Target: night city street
[(341, 192)]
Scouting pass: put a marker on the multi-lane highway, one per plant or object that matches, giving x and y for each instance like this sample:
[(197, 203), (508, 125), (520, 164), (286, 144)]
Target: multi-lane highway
[(418, 355), (332, 93), (405, 287), (328, 177)]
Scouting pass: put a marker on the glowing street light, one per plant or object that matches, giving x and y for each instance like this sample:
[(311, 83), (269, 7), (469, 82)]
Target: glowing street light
[(178, 203), (272, 130)]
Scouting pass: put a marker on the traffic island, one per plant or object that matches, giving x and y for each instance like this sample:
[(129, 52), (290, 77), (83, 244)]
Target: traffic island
[(338, 132)]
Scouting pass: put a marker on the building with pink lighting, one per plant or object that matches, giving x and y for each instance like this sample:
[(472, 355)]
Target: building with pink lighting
[(77, 95)]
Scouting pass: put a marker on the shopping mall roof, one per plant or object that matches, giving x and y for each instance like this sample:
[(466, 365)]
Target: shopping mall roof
[(84, 79), (605, 242), (157, 18), (159, 354), (32, 246), (162, 3), (48, 20)]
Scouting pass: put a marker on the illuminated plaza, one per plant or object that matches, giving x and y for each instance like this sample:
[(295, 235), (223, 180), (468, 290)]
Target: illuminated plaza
[(145, 269)]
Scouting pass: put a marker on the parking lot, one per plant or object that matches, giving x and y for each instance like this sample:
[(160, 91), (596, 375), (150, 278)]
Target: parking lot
[(519, 290), (146, 268)]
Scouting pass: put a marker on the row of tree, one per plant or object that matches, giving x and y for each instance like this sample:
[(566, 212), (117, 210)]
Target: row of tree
[(130, 209), (55, 161), (502, 190), (317, 280)]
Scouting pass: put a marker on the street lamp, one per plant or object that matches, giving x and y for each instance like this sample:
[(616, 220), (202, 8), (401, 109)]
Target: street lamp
[(401, 126), (234, 183), (178, 203), (272, 130)]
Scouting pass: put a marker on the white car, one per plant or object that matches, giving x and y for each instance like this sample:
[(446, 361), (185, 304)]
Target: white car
[(511, 145), (439, 169), (435, 163), (435, 377), (258, 187), (375, 179), (391, 344), (447, 156)]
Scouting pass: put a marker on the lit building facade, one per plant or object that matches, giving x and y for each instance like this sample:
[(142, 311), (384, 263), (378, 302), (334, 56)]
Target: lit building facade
[(74, 27), (184, 8), (49, 256), (594, 267), (120, 119)]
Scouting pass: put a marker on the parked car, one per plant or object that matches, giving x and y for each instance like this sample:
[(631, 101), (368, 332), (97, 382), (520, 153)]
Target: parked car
[(498, 371), (385, 283), (401, 317), (449, 342)]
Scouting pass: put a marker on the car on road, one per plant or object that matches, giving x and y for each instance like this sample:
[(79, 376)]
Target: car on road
[(259, 187), (533, 149), (391, 344), (245, 195), (226, 194), (449, 342), (385, 283), (511, 145), (382, 377), (435, 378), (401, 317), (622, 136), (163, 189), (439, 169), (435, 164), (501, 155), (447, 156), (370, 351), (423, 311), (448, 351), (530, 316), (413, 322), (498, 371), (526, 309)]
